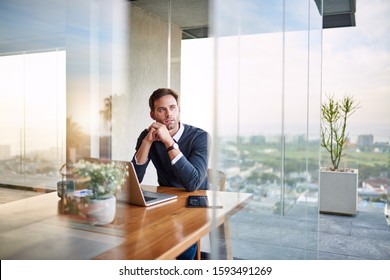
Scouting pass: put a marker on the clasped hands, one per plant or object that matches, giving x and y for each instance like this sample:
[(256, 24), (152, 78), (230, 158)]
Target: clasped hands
[(158, 132)]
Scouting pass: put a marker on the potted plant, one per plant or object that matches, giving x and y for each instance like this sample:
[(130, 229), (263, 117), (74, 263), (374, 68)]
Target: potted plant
[(103, 179), (338, 186)]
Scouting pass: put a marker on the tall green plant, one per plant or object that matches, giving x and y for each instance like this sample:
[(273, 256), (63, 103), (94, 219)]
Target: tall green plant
[(335, 114)]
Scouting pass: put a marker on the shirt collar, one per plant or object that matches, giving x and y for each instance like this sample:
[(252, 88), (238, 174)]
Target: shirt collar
[(179, 133)]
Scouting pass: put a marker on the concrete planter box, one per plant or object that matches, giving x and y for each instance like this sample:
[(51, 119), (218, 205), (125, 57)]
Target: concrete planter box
[(338, 192)]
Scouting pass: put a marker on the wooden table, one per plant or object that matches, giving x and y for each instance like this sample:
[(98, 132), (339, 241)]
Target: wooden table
[(36, 228)]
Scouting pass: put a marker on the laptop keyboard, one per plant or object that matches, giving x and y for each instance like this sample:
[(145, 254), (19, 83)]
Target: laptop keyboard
[(149, 198)]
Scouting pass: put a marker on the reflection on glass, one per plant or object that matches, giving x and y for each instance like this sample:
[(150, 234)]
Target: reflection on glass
[(265, 94), (33, 87), (262, 115)]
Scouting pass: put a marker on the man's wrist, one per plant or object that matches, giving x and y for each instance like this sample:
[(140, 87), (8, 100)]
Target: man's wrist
[(174, 146), (145, 141), (169, 143)]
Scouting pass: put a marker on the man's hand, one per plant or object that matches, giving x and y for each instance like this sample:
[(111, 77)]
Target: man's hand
[(159, 132), (152, 135), (156, 132)]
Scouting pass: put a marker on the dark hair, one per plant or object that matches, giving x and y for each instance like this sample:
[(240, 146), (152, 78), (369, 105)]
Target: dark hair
[(158, 93)]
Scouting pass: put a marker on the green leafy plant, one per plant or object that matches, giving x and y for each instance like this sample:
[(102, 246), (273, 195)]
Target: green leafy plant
[(335, 114), (103, 179)]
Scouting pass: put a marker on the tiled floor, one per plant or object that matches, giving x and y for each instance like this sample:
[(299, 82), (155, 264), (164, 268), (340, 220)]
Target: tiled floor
[(258, 236), (332, 237), (365, 236)]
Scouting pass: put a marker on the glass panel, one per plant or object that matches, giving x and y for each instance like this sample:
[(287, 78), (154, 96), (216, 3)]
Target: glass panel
[(313, 139), (12, 119), (33, 84), (302, 47), (44, 124), (33, 87), (97, 79), (254, 83), (362, 71), (95, 35), (266, 122)]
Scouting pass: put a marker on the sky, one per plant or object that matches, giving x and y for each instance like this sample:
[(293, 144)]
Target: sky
[(355, 61)]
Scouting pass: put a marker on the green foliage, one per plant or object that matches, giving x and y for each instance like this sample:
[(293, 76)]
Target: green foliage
[(102, 178), (335, 114)]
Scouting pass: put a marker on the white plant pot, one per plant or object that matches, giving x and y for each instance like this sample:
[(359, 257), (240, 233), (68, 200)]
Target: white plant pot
[(101, 211), (338, 192)]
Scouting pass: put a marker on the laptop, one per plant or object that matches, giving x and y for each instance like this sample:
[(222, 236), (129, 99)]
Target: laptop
[(132, 192)]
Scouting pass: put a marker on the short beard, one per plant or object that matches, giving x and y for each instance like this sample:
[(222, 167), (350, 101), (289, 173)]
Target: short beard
[(172, 126)]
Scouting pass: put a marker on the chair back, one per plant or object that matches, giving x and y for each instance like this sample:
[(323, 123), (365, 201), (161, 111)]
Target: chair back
[(216, 177)]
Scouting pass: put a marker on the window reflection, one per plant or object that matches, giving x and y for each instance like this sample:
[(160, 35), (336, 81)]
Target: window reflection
[(33, 122), (264, 133), (76, 75)]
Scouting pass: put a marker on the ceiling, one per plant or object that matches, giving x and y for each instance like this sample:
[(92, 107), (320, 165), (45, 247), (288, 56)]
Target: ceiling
[(192, 15), (339, 13), (43, 24)]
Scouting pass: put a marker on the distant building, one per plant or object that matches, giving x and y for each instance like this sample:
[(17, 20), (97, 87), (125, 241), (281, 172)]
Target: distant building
[(365, 140), (381, 147), (379, 185)]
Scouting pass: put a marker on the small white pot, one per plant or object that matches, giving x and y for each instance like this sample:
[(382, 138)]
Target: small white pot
[(101, 211)]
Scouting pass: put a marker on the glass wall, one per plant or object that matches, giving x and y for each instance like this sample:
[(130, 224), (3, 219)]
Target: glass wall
[(30, 138), (248, 72), (268, 87), (33, 94), (62, 68)]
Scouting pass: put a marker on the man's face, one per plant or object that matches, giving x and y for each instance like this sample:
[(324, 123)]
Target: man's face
[(167, 111)]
